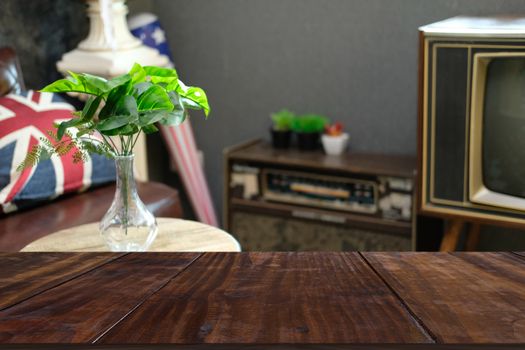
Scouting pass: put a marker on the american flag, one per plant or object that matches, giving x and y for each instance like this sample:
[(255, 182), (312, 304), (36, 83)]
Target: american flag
[(24, 119)]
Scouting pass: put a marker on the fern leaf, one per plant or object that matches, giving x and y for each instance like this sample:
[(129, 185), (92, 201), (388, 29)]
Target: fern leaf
[(31, 158), (78, 157)]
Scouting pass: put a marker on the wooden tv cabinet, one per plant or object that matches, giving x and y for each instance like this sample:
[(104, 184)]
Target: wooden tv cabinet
[(260, 220)]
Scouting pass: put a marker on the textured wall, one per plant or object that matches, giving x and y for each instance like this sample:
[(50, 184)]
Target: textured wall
[(354, 60), (41, 31)]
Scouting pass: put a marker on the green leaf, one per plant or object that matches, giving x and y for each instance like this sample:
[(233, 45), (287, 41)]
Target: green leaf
[(118, 81), (173, 85), (282, 120), (115, 95), (176, 100), (196, 95), (154, 98), (128, 129), (164, 81), (138, 74), (189, 104), (90, 108), (115, 122), (71, 84), (173, 118), (67, 124), (151, 117), (154, 71), (84, 131), (309, 123), (141, 87), (126, 105), (149, 129), (159, 75), (84, 83), (93, 81)]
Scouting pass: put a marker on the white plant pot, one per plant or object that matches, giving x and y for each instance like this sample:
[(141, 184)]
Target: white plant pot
[(335, 145)]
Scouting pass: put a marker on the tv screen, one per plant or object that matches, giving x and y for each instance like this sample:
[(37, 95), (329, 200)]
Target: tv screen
[(503, 152)]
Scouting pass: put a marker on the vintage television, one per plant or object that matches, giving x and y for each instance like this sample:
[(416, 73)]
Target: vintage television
[(472, 119)]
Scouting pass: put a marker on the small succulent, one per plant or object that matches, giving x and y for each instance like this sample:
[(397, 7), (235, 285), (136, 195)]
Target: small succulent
[(282, 120), (335, 129), (309, 123)]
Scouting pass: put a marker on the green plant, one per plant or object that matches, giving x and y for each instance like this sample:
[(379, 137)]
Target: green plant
[(282, 120), (131, 103), (309, 123)]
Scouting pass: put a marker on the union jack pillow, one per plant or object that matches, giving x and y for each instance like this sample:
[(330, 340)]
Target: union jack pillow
[(24, 119)]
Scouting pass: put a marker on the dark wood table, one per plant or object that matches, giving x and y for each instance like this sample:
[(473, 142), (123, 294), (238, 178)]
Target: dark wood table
[(262, 298)]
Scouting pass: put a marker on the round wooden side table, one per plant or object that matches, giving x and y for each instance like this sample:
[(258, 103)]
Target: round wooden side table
[(175, 235)]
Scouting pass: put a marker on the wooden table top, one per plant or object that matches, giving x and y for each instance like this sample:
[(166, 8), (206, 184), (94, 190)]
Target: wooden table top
[(175, 235), (262, 298)]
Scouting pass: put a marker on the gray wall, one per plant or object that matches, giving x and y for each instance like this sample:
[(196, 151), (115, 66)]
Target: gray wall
[(355, 61)]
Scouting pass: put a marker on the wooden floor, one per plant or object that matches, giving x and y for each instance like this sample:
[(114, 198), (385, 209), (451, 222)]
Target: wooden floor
[(262, 298)]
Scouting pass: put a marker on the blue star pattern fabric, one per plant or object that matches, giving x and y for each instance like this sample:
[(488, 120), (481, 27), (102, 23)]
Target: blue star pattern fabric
[(147, 28)]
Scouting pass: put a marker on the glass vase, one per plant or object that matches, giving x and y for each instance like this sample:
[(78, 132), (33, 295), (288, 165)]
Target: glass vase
[(128, 225)]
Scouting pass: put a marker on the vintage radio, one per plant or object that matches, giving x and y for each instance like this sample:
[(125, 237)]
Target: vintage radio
[(331, 192), (387, 197)]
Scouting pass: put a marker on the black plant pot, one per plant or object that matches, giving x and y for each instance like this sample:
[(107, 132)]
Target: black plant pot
[(281, 139), (308, 141)]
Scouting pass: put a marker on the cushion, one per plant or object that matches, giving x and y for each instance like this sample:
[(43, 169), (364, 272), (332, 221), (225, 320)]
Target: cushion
[(24, 119)]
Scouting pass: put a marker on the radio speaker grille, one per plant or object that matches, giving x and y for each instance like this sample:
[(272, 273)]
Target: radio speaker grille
[(259, 232)]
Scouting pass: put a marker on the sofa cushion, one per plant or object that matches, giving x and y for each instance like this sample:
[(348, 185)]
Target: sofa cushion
[(25, 119)]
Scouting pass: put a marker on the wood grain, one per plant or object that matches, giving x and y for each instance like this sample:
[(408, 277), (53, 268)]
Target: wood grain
[(263, 347), (451, 235), (473, 236), (520, 254), (460, 297), (272, 298), (236, 299), (25, 275), (358, 163), (81, 310)]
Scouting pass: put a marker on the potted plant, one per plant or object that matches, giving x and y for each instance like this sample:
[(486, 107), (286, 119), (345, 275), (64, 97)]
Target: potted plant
[(334, 139), (281, 133), (117, 111), (308, 127)]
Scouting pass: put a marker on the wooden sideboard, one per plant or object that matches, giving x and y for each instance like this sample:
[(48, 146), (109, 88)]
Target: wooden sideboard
[(262, 220)]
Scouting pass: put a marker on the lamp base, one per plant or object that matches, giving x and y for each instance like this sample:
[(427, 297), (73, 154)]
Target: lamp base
[(109, 63)]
